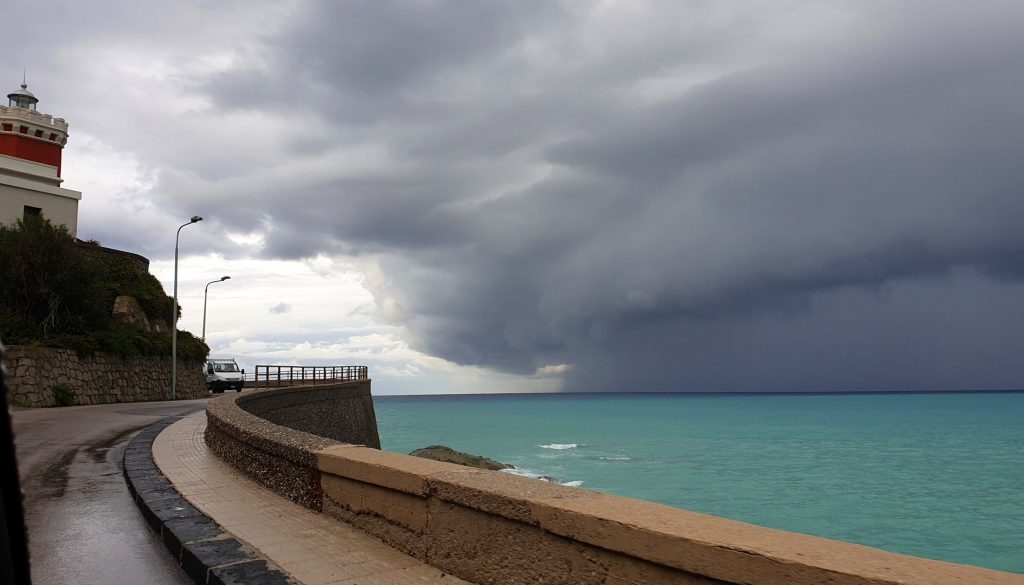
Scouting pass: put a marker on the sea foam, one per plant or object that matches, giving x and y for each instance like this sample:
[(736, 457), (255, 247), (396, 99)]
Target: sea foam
[(522, 472), (536, 475), (559, 446)]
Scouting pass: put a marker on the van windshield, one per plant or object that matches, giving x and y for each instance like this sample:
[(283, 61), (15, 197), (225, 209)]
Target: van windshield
[(225, 367)]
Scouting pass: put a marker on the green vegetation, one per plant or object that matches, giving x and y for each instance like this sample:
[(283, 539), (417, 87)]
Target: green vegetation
[(64, 395), (54, 291)]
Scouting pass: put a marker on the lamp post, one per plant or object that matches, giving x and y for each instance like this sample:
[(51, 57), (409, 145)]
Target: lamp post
[(174, 315), (205, 292)]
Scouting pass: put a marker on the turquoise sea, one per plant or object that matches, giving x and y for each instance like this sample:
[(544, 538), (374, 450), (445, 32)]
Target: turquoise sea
[(934, 475)]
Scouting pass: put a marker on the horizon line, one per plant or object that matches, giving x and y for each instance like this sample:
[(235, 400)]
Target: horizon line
[(713, 393)]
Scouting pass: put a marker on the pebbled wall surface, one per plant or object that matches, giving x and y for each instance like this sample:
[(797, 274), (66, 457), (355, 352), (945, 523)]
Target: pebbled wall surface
[(341, 411), (281, 458)]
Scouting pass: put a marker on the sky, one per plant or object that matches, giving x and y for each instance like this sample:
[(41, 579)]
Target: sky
[(580, 195)]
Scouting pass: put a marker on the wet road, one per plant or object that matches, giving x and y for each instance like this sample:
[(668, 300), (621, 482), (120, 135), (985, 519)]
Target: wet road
[(83, 526)]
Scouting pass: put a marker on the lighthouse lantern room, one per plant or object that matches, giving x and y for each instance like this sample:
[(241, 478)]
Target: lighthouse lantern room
[(22, 98), (31, 145)]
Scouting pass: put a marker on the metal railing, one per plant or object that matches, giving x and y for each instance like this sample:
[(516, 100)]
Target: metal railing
[(268, 376)]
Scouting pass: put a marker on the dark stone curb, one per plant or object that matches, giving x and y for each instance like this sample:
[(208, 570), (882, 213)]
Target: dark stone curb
[(208, 554)]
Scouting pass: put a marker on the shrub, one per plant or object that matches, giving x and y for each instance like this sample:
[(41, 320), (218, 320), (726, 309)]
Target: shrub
[(64, 395), (127, 342), (121, 277), (57, 292), (46, 282)]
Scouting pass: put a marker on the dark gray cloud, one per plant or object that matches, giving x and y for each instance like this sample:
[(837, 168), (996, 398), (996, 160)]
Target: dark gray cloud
[(703, 219), (359, 62), (666, 196), (704, 225)]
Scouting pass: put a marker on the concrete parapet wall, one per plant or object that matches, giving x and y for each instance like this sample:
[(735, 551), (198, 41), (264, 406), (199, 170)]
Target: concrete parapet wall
[(342, 411), (278, 457), (33, 371), (490, 527)]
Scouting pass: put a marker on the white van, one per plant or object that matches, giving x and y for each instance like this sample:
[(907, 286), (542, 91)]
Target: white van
[(223, 373)]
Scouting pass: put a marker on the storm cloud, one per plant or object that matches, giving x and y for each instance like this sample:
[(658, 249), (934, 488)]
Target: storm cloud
[(685, 196)]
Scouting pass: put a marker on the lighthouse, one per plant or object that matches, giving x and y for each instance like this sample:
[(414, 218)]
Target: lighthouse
[(31, 144)]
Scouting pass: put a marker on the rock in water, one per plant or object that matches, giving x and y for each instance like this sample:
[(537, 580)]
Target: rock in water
[(449, 455)]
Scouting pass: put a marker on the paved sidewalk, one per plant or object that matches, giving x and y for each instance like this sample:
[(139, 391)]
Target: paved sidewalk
[(314, 549)]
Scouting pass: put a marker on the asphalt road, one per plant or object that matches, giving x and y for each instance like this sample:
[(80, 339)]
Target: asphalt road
[(83, 526)]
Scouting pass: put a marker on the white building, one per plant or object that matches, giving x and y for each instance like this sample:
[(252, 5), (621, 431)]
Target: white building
[(30, 149)]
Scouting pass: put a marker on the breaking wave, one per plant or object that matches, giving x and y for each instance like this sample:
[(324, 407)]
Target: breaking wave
[(523, 472), (535, 475), (559, 446)]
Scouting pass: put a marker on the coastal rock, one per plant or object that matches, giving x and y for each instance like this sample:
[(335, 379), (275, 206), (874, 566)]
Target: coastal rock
[(449, 455), (128, 312)]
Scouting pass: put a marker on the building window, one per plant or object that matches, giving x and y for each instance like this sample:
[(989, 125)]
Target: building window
[(39, 133), (23, 129), (53, 136), (32, 212), (8, 127)]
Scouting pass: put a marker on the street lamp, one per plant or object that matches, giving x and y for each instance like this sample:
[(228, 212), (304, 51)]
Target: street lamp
[(205, 291), (174, 315)]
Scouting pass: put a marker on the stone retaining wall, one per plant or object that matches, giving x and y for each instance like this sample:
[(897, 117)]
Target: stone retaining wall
[(490, 527), (34, 371)]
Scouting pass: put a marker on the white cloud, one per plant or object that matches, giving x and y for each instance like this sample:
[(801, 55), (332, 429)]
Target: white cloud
[(330, 322), (554, 369)]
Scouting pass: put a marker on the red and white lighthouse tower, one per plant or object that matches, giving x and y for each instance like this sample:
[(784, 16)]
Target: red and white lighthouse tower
[(31, 144)]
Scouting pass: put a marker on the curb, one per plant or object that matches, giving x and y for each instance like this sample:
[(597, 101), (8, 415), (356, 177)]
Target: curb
[(205, 551)]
